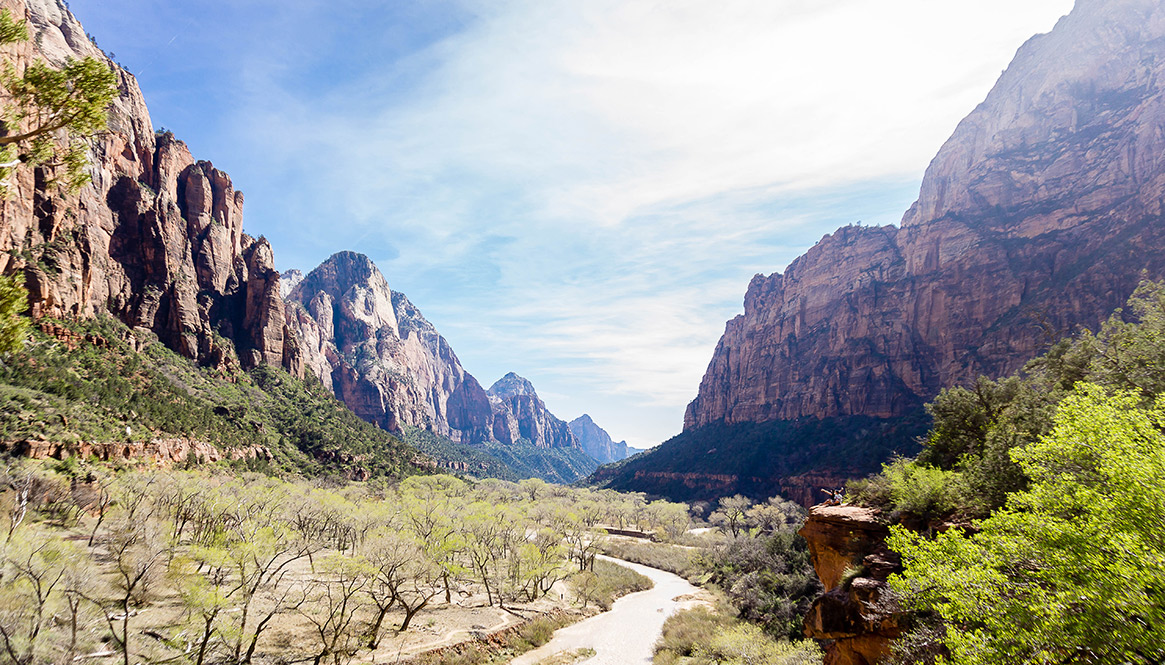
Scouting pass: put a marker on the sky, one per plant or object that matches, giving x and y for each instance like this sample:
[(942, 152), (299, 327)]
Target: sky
[(576, 191)]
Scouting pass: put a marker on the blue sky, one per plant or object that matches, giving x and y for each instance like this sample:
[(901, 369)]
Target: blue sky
[(575, 191)]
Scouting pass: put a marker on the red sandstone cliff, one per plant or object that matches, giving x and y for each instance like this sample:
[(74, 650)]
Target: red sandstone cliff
[(857, 615), (155, 239), (1039, 214)]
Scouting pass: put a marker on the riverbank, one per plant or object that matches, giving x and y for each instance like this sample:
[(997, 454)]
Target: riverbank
[(626, 634)]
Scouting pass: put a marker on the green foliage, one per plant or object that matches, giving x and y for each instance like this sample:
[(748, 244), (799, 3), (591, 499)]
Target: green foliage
[(44, 101), (684, 632), (448, 453), (925, 490), (12, 30), (13, 323), (702, 637), (102, 386), (606, 582), (768, 578), (683, 561), (1073, 568), (556, 465), (744, 643)]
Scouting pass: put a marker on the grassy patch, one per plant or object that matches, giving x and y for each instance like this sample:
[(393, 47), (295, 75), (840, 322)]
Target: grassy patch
[(607, 582), (702, 637), (682, 561)]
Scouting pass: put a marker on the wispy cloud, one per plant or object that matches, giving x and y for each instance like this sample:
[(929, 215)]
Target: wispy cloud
[(580, 191)]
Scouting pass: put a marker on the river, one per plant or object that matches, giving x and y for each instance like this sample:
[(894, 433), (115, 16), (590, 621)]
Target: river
[(625, 634)]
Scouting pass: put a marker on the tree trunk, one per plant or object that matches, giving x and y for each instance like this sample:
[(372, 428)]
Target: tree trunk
[(374, 632), (409, 613)]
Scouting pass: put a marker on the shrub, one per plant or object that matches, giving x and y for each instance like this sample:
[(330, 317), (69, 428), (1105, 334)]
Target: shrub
[(746, 643), (608, 582), (684, 632)]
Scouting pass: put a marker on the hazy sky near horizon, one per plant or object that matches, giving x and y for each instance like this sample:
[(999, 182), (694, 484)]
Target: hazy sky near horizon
[(577, 191)]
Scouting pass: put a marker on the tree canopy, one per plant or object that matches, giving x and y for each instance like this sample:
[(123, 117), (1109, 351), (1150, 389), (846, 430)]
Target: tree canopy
[(43, 102), (1073, 568)]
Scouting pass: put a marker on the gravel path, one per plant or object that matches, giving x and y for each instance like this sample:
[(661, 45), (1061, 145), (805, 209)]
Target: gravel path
[(625, 634)]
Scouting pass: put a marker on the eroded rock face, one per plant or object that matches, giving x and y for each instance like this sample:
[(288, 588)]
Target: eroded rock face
[(597, 443), (380, 356), (857, 613), (518, 413), (1040, 214), (157, 452), (156, 238)]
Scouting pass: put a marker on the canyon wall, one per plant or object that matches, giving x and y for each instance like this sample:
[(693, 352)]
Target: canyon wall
[(155, 238), (372, 348), (1038, 215), (519, 414)]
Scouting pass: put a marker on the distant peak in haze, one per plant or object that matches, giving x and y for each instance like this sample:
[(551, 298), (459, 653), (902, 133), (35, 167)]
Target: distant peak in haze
[(597, 443)]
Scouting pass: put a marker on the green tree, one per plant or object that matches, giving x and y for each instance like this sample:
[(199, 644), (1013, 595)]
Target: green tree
[(45, 101), (13, 324), (1071, 570)]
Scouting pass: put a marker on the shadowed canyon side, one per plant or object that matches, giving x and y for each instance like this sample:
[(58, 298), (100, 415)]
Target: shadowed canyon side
[(155, 238), (1039, 215)]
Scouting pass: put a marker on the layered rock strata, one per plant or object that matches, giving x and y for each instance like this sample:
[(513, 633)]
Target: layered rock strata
[(379, 355), (1040, 214), (155, 238)]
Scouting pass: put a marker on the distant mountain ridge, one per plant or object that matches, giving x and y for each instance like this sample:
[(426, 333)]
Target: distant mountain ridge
[(379, 355), (597, 443), (1041, 213)]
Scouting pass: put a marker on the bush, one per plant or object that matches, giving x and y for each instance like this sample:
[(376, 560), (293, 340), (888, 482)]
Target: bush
[(682, 561), (702, 637), (684, 632), (746, 643), (607, 582), (927, 491), (768, 579)]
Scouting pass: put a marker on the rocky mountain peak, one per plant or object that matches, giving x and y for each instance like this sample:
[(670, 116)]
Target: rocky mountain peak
[(288, 280), (510, 385), (597, 443)]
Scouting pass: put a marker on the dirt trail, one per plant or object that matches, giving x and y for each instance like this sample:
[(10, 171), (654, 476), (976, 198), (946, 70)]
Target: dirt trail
[(626, 634)]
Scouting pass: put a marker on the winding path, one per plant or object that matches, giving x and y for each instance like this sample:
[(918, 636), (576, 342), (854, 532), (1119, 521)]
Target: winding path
[(625, 634)]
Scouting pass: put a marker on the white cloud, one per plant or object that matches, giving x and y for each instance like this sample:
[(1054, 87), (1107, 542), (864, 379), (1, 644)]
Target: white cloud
[(582, 189)]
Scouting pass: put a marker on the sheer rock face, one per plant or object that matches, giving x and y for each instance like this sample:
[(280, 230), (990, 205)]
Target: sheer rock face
[(155, 239), (858, 616), (379, 356), (518, 413), (597, 443), (1039, 214), (376, 352)]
